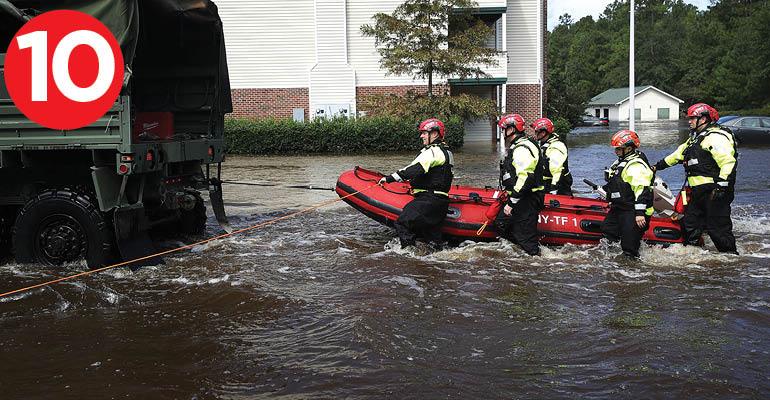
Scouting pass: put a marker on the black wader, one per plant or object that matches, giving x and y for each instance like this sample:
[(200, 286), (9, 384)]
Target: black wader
[(421, 219), (521, 226), (713, 216)]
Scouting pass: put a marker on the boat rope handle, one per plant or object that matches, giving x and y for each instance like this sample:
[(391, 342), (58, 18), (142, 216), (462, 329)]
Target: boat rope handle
[(189, 246), (355, 173), (481, 230)]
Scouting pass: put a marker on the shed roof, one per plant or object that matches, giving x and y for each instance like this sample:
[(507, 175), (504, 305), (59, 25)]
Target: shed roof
[(618, 96)]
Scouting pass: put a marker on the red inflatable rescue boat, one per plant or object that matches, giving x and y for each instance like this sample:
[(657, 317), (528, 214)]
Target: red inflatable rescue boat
[(565, 219)]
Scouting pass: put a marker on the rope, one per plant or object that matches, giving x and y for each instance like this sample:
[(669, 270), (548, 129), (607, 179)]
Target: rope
[(189, 246)]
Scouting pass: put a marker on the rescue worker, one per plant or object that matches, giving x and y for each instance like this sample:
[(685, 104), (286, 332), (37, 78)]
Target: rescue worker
[(522, 177), (629, 192), (710, 163), (557, 178), (430, 175)]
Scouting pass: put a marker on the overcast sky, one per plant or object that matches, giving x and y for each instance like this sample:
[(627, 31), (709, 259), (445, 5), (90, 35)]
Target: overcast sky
[(580, 8)]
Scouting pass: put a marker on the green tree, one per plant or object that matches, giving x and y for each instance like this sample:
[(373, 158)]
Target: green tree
[(720, 55), (574, 73), (739, 53), (427, 38)]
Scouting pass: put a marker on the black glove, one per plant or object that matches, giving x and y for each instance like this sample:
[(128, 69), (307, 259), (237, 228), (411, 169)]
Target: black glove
[(720, 191), (607, 174), (386, 179), (660, 165), (718, 194)]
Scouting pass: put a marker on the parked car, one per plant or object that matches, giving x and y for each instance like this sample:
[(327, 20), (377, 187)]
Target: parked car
[(726, 118), (750, 129), (590, 120)]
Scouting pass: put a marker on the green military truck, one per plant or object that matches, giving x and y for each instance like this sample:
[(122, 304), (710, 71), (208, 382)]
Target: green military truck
[(95, 193)]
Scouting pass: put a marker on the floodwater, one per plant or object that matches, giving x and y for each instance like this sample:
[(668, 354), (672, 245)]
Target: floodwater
[(326, 305)]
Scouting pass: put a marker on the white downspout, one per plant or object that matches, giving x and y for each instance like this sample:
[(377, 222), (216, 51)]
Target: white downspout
[(631, 70), (500, 135), (540, 59), (504, 91)]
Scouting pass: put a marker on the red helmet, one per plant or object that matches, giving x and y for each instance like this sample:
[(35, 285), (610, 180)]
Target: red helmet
[(625, 138), (543, 124), (514, 120), (433, 124), (703, 110)]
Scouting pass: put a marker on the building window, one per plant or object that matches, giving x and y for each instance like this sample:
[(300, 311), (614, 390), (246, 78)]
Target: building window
[(637, 114), (492, 20), (597, 113), (663, 113), (607, 113)]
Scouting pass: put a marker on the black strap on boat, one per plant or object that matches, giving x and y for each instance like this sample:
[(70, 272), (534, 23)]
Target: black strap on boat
[(553, 203)]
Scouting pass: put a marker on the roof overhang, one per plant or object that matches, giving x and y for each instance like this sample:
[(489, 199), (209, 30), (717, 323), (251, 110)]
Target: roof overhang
[(477, 82), (648, 88), (482, 10)]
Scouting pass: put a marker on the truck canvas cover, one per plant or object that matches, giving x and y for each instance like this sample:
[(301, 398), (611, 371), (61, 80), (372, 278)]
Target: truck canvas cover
[(160, 39)]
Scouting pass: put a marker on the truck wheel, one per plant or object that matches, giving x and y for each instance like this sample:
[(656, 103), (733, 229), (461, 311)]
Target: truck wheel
[(193, 222), (59, 226)]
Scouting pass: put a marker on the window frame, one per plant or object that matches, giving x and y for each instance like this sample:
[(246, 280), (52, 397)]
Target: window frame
[(742, 124)]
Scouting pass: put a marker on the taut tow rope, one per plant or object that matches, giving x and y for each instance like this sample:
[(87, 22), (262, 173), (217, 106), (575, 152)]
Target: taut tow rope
[(189, 246)]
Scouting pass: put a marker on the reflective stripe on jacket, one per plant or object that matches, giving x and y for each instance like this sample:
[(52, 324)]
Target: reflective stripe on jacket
[(523, 169), (431, 171), (557, 160), (629, 186), (708, 157)]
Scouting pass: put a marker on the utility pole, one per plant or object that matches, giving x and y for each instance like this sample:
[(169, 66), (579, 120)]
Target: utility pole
[(631, 77)]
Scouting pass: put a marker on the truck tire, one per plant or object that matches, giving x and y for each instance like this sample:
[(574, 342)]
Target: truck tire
[(59, 226), (193, 222)]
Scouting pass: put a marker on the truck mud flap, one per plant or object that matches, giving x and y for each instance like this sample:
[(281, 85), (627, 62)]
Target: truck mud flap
[(132, 238), (218, 204)]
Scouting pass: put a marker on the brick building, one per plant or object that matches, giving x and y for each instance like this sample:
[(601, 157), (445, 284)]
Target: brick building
[(308, 59)]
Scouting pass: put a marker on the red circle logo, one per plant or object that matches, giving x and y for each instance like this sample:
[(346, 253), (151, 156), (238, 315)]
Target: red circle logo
[(64, 69)]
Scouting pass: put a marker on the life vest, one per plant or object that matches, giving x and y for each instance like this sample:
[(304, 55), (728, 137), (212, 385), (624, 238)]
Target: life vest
[(700, 162), (619, 192), (438, 179), (509, 172), (565, 182)]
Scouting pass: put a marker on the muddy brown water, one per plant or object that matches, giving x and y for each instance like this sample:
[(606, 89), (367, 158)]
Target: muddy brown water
[(326, 305)]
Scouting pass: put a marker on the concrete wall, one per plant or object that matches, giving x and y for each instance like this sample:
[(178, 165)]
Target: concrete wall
[(612, 115), (648, 102)]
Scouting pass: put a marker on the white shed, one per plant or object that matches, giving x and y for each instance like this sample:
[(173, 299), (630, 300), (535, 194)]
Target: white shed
[(651, 104)]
